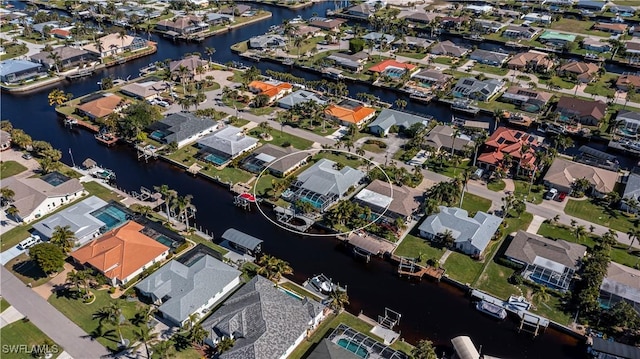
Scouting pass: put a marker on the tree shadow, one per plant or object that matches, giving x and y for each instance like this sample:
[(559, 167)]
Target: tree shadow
[(29, 269)]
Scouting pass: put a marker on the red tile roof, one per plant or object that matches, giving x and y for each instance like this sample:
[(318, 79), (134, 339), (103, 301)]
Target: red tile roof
[(391, 63), (508, 141)]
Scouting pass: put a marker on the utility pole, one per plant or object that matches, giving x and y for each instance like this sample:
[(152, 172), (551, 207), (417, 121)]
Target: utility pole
[(72, 161)]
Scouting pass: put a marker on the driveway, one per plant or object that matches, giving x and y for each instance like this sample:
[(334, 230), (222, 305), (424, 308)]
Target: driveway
[(9, 254), (47, 318)]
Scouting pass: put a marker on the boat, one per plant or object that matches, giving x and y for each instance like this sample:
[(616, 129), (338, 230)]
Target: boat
[(288, 62), (493, 310), (103, 174), (464, 106), (321, 284), (518, 303), (473, 37)]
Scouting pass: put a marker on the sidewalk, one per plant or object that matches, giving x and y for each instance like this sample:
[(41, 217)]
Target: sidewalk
[(10, 315)]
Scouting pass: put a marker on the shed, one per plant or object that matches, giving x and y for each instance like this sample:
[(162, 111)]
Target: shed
[(464, 348), (242, 241), (89, 163)]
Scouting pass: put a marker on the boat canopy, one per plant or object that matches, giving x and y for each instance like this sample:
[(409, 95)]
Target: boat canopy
[(241, 239), (464, 348)]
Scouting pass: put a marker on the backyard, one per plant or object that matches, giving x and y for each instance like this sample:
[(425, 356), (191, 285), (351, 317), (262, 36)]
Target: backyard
[(186, 157), (416, 247), (282, 139), (591, 211), (473, 203), (10, 168), (98, 190), (26, 334), (603, 86), (487, 69)]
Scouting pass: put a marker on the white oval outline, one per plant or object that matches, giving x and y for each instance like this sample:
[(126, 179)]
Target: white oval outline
[(315, 150)]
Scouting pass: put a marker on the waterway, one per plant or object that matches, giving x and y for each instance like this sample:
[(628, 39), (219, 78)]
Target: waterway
[(434, 311)]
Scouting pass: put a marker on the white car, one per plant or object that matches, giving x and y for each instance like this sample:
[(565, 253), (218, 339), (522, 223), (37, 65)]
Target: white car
[(551, 194)]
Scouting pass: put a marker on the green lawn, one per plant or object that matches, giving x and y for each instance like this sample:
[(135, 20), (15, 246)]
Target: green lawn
[(413, 55), (448, 169), (534, 194), (185, 156), (98, 190), (10, 168), (462, 268), (494, 281), (299, 290), (4, 304), (197, 239), (488, 69), (444, 60), (372, 147), (557, 81), (24, 333), (341, 157), (473, 203), (306, 46), (592, 212), (83, 314), (262, 111), (496, 186), (603, 86), (281, 138), (412, 246), (579, 26), (14, 50)]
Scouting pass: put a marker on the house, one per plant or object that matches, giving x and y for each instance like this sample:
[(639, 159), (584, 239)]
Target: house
[(536, 17), (472, 88), (305, 31), (607, 348), (591, 44), (121, 254), (226, 144), (356, 115), (591, 5), (432, 78), (182, 25), (448, 48), (535, 61), (520, 32), (277, 160), (112, 44), (612, 28), (362, 11), (184, 288), (36, 197), (302, 96), (333, 346), (79, 219), (441, 138), (454, 22), (5, 140), (479, 9), (631, 192), (274, 90), (622, 9), (552, 263), (352, 62), (530, 99), (422, 17), (216, 19), (379, 38), (267, 42), (586, 112), (556, 38), (392, 68), (389, 118), (181, 128), (621, 283), (584, 72), (265, 321), (236, 10), (487, 26), (68, 57), (102, 106), (327, 24), (62, 34), (489, 57), (323, 184), (12, 71), (471, 235), (628, 122), (190, 64), (625, 82), (519, 145), (414, 43), (42, 27), (563, 173), (632, 48), (145, 89), (389, 201)]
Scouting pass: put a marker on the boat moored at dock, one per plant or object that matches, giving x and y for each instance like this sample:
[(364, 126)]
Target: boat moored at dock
[(491, 309)]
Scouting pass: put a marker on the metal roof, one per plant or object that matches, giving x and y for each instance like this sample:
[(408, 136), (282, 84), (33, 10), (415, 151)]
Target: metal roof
[(242, 239), (8, 67)]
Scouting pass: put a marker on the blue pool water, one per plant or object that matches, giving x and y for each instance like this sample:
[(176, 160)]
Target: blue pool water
[(291, 294), (55, 178), (157, 134), (165, 240), (216, 159), (112, 216), (353, 347), (314, 203)]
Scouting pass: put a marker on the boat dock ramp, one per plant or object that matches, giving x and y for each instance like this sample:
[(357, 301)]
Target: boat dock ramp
[(366, 245), (529, 322), (290, 219), (408, 267)]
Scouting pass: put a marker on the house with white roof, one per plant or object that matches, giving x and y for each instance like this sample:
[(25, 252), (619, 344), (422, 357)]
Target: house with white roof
[(112, 44), (300, 97), (181, 128), (621, 283), (389, 118), (229, 142), (79, 219)]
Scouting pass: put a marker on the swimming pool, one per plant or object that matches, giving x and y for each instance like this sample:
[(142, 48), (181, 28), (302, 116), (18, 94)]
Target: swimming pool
[(165, 240), (316, 203), (158, 135), (112, 216), (55, 178), (290, 293), (353, 347), (216, 159), (394, 73)]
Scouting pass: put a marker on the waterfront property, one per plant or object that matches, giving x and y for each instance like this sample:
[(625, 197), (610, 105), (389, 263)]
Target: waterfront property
[(489, 57), (66, 57), (528, 99), (113, 44), (182, 25), (280, 161), (587, 112), (631, 192), (181, 128), (396, 202), (79, 219), (612, 28), (327, 24), (625, 82), (379, 37), (392, 68), (353, 62), (103, 106), (472, 88), (563, 173), (595, 45), (274, 90), (505, 141), (448, 48), (182, 288), (361, 11), (38, 196), (413, 43), (121, 254), (350, 113), (347, 343), (242, 242), (487, 26), (628, 123), (12, 71), (621, 283), (584, 72), (389, 118), (266, 321), (537, 17), (187, 67), (520, 32), (323, 184), (144, 89), (225, 144), (302, 96), (556, 38), (432, 79), (264, 42), (441, 138), (471, 235), (546, 261), (535, 61)]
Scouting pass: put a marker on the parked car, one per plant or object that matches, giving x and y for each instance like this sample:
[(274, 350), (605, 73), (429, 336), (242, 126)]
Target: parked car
[(27, 156), (551, 194), (30, 242), (562, 196)]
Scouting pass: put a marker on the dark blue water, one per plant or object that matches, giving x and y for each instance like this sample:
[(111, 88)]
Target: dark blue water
[(434, 311)]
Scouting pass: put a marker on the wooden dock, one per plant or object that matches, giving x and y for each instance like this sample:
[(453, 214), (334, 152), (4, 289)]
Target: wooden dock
[(107, 139), (410, 268)]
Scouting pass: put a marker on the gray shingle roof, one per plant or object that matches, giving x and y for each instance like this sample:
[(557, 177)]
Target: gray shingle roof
[(441, 137), (284, 158), (264, 320), (478, 230), (622, 281), (525, 247), (8, 67), (632, 190), (488, 56), (326, 349), (77, 217), (323, 178), (65, 53), (180, 126), (242, 239), (389, 117), (628, 116), (188, 287), (31, 192), (468, 86), (300, 97), (229, 140)]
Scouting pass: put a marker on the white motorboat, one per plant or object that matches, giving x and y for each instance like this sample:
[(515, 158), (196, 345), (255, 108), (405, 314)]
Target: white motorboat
[(493, 310), (321, 283)]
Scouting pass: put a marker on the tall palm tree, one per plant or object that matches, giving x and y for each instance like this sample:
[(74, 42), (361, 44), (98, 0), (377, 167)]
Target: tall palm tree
[(6, 195), (63, 237), (122, 35), (163, 349), (210, 51), (466, 176), (579, 232), (113, 315), (145, 337), (57, 97), (634, 234), (56, 59), (225, 344), (454, 135), (182, 203), (74, 278), (338, 299), (541, 295), (168, 195)]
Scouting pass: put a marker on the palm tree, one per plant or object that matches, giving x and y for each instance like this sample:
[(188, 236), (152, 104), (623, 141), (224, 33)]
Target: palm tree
[(447, 238), (198, 334), (454, 135), (338, 299), (273, 268), (74, 278), (145, 336), (210, 51), (579, 232), (224, 345), (163, 349), (6, 195), (466, 176), (633, 234), (168, 195), (183, 203), (113, 314), (401, 103), (424, 350), (63, 237), (57, 97), (13, 212), (55, 57), (541, 295), (122, 35)]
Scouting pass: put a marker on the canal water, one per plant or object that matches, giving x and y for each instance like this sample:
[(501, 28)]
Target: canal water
[(434, 311)]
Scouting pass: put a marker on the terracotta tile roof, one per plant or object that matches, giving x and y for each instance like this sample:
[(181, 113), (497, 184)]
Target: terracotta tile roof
[(610, 27), (584, 70), (268, 89), (101, 107), (531, 57), (120, 252), (60, 32), (508, 141), (626, 80), (391, 63), (354, 116)]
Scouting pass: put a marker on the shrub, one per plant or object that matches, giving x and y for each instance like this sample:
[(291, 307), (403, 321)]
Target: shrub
[(516, 279), (111, 290), (181, 248), (286, 144)]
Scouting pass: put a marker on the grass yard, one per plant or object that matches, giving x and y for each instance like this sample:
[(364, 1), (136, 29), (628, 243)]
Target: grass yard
[(496, 186), (24, 333), (494, 280), (462, 268), (556, 81), (10, 168), (579, 26), (412, 246), (372, 147), (603, 86), (535, 195), (262, 111), (447, 169), (185, 156), (14, 50), (592, 212), (98, 190), (3, 304), (488, 69), (412, 55), (199, 240), (473, 203), (341, 157), (299, 290), (27, 270), (306, 46), (281, 138), (83, 314), (444, 60)]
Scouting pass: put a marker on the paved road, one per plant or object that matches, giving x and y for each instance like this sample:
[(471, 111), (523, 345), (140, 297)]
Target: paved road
[(53, 323)]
